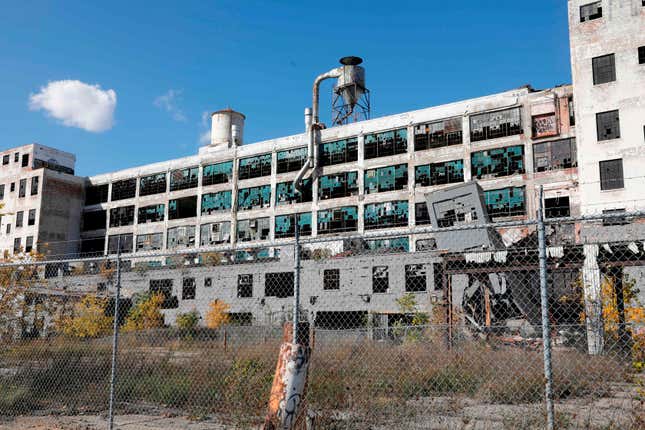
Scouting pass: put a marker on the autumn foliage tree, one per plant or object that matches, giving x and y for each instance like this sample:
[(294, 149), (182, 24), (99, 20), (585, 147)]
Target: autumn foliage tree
[(88, 319), (217, 314), (146, 313)]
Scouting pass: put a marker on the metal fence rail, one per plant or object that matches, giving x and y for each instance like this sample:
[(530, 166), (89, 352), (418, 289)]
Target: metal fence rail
[(516, 325)]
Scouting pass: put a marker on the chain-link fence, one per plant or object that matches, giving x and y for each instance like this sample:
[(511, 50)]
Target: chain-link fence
[(514, 325)]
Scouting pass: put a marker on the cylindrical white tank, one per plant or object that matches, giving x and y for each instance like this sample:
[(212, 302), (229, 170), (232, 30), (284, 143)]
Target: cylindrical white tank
[(222, 123)]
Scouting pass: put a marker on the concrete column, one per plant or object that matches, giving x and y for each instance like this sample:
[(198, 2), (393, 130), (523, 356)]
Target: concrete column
[(593, 300)]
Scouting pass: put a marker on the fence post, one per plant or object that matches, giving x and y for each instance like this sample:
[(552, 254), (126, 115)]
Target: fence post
[(115, 335), (296, 282), (546, 329)]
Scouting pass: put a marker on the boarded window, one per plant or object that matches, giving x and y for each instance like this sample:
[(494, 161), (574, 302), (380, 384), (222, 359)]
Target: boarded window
[(149, 242), (494, 163), (125, 189), (387, 214), (388, 178), (554, 155), (182, 179), (216, 202), (291, 160), (34, 185), (415, 278), (188, 289), (421, 214), (245, 286), (338, 220), (604, 69), (447, 172), (331, 279), (123, 241), (342, 184), (95, 194), (557, 207), (94, 220), (285, 225), (505, 202), (380, 279), (278, 284), (544, 125), (254, 197), (152, 213), (152, 184), (254, 167), (608, 125), (438, 133), (181, 237), (253, 229), (219, 173), (185, 207), (491, 125), (285, 194), (611, 174), (215, 233), (591, 11), (393, 244), (122, 216), (337, 152), (386, 144)]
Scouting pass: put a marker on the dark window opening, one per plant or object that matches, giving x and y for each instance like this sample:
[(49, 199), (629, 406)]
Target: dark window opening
[(338, 185), (125, 189), (557, 207), (572, 112), (591, 11), (415, 278), (5, 160), (208, 282), (338, 152), (291, 160), (380, 279), (421, 214), (278, 284), (1, 191), (555, 155), (164, 287), (219, 173), (240, 318), (437, 276), (641, 54), (614, 218), (497, 162), (122, 216), (338, 220), (12, 187), (29, 244), (342, 320), (92, 246), (94, 220), (34, 185), (611, 174), (188, 289), (244, 286), (608, 125), (19, 218), (124, 240), (95, 194), (17, 246), (16, 157), (492, 125), (385, 179), (386, 144), (152, 213), (22, 190), (331, 279), (604, 69), (31, 218), (438, 134), (387, 214), (185, 207), (152, 184), (182, 179), (254, 167), (25, 160)]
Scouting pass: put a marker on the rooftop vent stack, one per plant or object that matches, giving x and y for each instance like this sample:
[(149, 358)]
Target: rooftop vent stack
[(350, 97), (227, 128)]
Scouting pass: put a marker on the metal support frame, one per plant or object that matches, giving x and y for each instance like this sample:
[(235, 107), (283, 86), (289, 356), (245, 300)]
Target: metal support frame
[(115, 336), (343, 113)]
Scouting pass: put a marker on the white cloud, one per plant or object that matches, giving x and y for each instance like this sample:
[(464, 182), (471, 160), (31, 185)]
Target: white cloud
[(168, 102), (205, 134), (205, 138), (76, 104)]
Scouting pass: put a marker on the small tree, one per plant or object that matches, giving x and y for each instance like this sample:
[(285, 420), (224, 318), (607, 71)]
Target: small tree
[(188, 320), (408, 306), (146, 313), (88, 320), (217, 314)]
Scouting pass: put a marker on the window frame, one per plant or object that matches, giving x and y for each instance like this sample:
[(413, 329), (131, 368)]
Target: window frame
[(603, 73), (606, 136), (604, 181)]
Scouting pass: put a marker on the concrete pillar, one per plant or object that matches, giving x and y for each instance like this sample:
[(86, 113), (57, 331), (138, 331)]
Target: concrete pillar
[(591, 281)]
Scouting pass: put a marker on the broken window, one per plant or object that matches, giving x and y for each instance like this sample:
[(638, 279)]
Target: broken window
[(278, 284), (17, 246), (338, 220), (95, 194), (181, 237), (125, 189), (253, 229), (608, 125), (34, 185), (216, 202), (386, 143), (291, 160), (340, 151), (254, 197), (331, 279), (220, 173), (285, 194), (554, 155), (255, 254), (25, 160), (388, 178), (415, 278), (572, 111), (16, 157), (544, 125), (393, 244), (505, 202), (591, 11), (5, 159), (438, 133), (641, 55), (29, 244), (254, 167), (447, 172), (494, 163), (92, 246), (31, 217), (387, 214), (1, 191), (604, 69), (245, 286), (22, 188), (164, 287), (491, 125), (188, 289), (426, 245), (13, 187), (149, 242), (380, 279), (611, 174), (421, 214), (94, 220), (185, 207), (182, 179), (152, 184), (215, 233), (122, 241), (122, 216), (152, 213), (285, 225), (342, 184), (437, 276), (557, 207), (19, 218)]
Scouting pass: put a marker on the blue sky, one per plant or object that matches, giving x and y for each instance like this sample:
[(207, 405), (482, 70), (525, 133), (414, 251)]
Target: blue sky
[(259, 58)]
